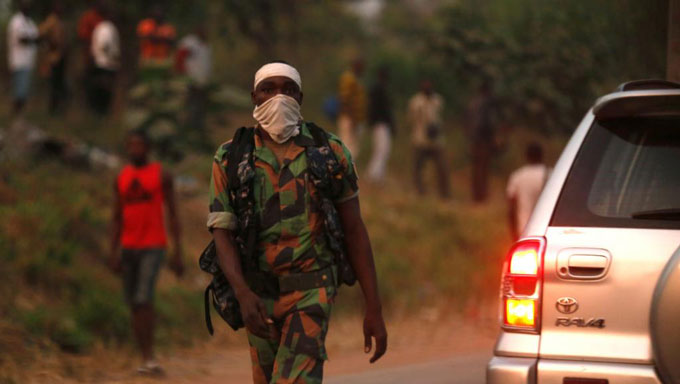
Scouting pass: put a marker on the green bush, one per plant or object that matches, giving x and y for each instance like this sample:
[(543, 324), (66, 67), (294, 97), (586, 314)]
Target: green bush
[(180, 316), (548, 60), (36, 321), (102, 313), (70, 336)]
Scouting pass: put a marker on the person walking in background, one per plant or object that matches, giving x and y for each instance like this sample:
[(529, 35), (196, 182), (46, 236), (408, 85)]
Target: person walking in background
[(524, 187), (142, 189), (289, 277), (106, 54), (194, 59), (156, 43), (352, 106), (481, 122), (53, 33), (382, 123), (22, 41), (86, 25), (425, 117)]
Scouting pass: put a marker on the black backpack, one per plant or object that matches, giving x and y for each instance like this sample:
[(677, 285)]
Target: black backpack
[(326, 175)]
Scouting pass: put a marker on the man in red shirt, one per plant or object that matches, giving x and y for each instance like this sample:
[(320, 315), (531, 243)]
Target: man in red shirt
[(142, 190), (86, 25)]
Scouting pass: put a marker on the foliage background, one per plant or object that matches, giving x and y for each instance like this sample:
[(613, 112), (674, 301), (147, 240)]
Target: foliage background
[(547, 59)]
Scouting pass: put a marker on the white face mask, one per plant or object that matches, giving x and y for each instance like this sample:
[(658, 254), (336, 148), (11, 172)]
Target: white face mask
[(280, 117)]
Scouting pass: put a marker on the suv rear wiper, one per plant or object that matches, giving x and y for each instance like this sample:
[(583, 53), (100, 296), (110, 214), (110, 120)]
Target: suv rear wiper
[(658, 214)]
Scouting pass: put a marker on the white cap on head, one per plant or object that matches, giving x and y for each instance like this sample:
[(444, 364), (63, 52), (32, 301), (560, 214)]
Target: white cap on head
[(277, 69)]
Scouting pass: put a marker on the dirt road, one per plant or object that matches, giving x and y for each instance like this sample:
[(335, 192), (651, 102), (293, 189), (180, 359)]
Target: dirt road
[(424, 349), (463, 369)]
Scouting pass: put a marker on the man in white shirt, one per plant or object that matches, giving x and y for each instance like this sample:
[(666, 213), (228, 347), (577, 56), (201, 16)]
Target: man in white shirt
[(106, 54), (425, 116), (524, 187), (22, 41), (196, 57)]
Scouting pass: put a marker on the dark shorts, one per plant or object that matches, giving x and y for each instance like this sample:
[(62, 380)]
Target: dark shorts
[(140, 270), (21, 83)]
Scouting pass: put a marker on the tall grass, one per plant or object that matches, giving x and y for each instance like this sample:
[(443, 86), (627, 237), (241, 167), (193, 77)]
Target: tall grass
[(53, 239)]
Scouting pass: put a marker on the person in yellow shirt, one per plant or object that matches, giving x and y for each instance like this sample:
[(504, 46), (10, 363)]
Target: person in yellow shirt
[(352, 106)]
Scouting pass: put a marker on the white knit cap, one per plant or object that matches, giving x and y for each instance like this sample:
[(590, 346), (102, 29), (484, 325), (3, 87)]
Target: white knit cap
[(277, 69)]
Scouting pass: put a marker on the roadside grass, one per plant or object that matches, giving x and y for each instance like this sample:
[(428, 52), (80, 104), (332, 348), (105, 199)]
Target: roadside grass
[(56, 288), (430, 252)]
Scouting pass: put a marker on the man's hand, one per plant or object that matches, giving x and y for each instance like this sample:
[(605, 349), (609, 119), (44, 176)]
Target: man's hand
[(253, 310), (374, 327), (114, 262), (360, 257), (255, 315), (177, 264)]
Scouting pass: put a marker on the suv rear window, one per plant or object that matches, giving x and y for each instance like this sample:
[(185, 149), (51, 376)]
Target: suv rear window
[(626, 174)]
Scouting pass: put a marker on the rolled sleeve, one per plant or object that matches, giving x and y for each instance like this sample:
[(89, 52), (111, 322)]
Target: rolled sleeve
[(221, 213), (222, 220)]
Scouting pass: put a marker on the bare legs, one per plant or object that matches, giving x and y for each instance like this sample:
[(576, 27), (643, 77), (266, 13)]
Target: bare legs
[(143, 319)]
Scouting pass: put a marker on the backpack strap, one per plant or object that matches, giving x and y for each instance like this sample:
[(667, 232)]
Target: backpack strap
[(320, 136), (327, 175), (240, 175), (239, 172), (206, 305), (333, 168), (240, 145)]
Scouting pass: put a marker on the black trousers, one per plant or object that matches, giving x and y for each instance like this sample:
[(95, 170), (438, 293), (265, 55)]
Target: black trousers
[(57, 85), (101, 89), (437, 155), (194, 120), (481, 156)]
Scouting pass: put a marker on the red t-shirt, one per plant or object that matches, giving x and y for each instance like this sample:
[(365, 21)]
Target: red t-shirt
[(140, 190), (87, 23), (155, 39)]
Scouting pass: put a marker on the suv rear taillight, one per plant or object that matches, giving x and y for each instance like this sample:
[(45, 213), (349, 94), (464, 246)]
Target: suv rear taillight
[(521, 285)]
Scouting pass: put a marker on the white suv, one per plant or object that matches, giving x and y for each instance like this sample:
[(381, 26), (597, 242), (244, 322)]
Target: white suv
[(591, 292)]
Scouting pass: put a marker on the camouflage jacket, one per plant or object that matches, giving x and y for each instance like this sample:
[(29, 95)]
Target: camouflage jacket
[(291, 228)]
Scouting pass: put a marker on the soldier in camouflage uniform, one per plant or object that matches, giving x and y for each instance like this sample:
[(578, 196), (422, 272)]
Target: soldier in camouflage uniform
[(287, 332)]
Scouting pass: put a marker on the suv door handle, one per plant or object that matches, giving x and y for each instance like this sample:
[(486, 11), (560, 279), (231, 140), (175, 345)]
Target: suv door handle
[(583, 264), (587, 265)]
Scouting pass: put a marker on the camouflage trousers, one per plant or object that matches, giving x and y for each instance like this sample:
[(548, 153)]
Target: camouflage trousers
[(298, 352)]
